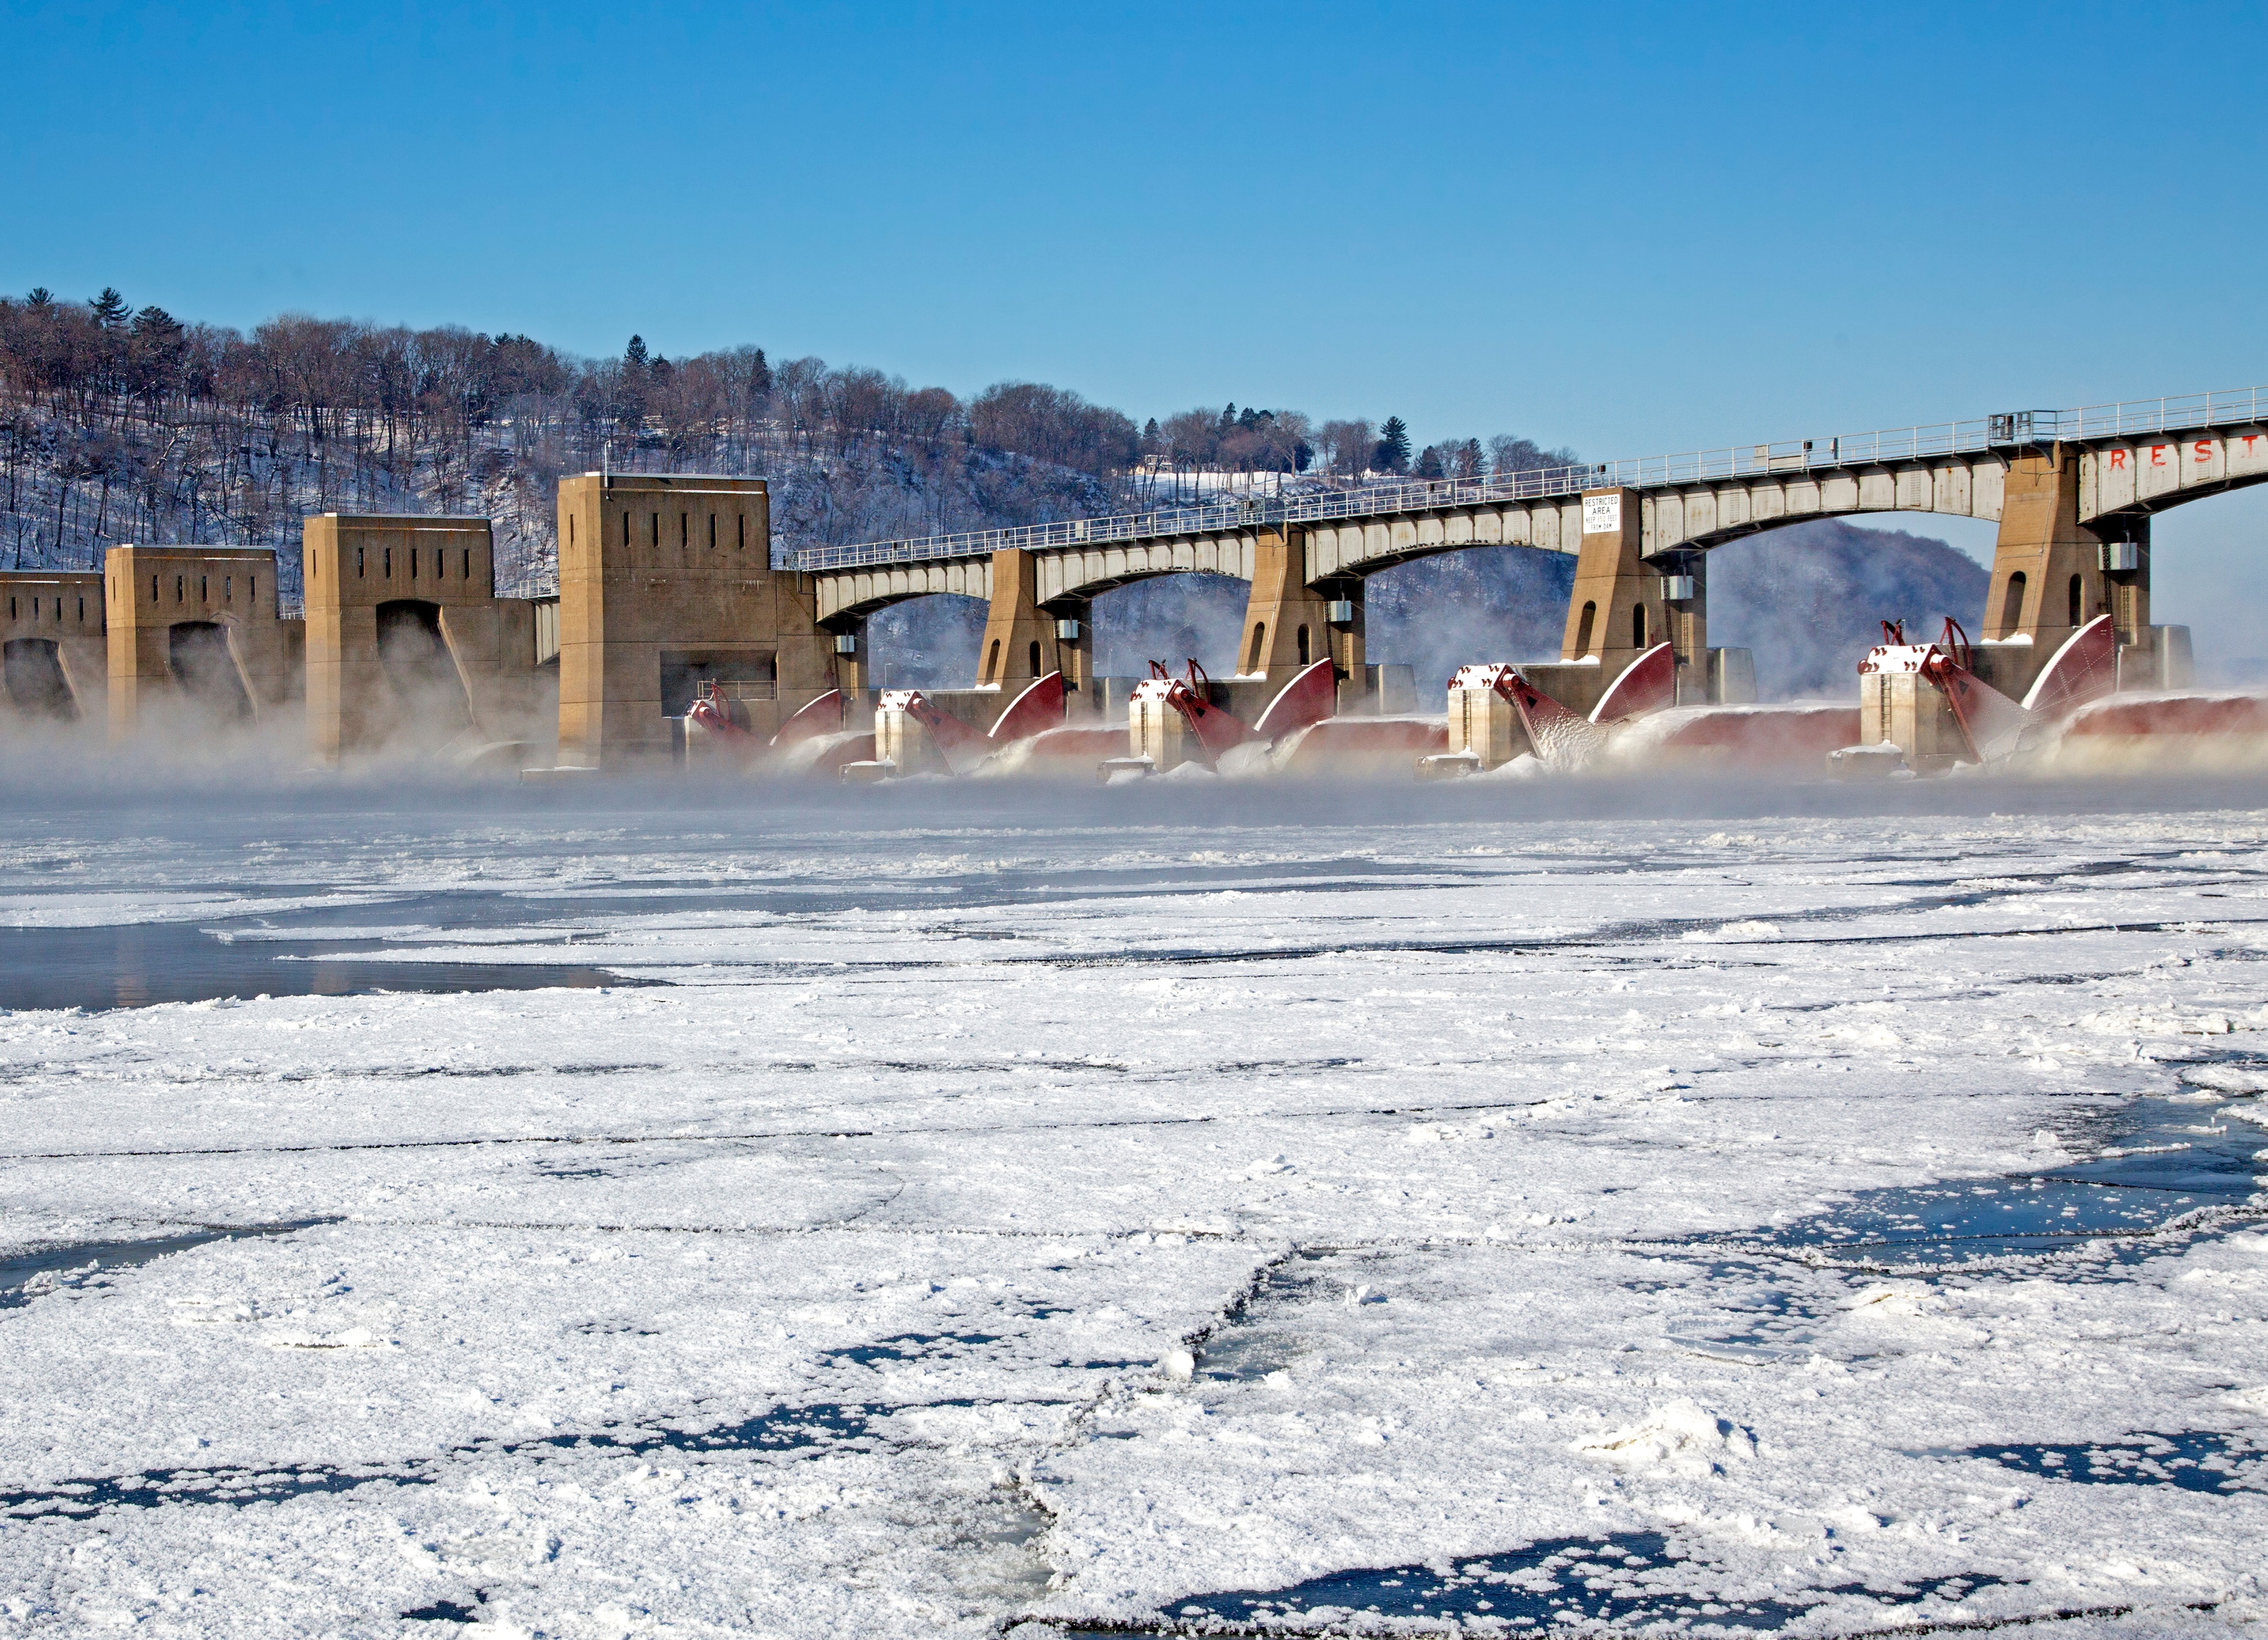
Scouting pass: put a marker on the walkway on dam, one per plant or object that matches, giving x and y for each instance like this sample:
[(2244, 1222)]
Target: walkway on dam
[(1914, 451)]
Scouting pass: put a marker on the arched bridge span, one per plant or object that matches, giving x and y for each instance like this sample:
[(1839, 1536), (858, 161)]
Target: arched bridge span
[(2066, 487)]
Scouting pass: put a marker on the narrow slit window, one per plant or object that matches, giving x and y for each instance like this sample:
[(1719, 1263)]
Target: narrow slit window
[(626, 529), (180, 589), (656, 518), (153, 589), (81, 609), (741, 544), (684, 530), (252, 590), (712, 532), (389, 563), (468, 553), (413, 563), (228, 589), (2076, 591), (1638, 626), (359, 561)]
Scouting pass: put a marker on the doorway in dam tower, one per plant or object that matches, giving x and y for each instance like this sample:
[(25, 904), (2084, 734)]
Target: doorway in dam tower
[(37, 687), (738, 680), (430, 700), (204, 664)]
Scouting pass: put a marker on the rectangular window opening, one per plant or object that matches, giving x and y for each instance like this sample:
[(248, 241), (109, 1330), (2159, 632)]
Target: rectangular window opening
[(656, 521), (712, 532), (413, 563), (468, 553), (389, 563), (358, 561), (684, 529), (740, 544)]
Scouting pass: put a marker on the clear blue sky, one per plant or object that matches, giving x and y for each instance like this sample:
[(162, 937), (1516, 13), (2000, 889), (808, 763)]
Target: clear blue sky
[(1631, 229)]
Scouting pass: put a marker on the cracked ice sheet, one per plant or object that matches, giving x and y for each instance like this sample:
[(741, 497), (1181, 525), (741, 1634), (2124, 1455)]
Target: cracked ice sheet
[(970, 1197)]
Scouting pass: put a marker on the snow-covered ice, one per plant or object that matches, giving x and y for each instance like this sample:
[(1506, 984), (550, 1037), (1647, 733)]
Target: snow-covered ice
[(1140, 1211)]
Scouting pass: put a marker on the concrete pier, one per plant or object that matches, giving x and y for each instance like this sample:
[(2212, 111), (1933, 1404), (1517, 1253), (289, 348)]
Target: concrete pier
[(408, 644), (57, 654), (665, 582), (194, 635)]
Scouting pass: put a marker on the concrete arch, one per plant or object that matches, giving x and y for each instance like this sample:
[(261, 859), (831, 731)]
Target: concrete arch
[(924, 640), (847, 595), (1707, 515), (1365, 546), (1078, 574)]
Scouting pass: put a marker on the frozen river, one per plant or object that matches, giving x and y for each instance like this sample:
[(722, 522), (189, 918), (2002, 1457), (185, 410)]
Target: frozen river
[(630, 1211)]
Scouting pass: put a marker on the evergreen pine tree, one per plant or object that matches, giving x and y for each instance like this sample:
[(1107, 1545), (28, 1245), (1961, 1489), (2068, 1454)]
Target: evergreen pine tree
[(1393, 452), (41, 297), (110, 309)]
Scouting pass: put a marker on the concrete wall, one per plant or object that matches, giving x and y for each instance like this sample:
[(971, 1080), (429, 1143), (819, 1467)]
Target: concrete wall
[(194, 636), (56, 656), (1286, 621), (2047, 573), (667, 578), (1019, 637), (363, 571), (2150, 474), (1616, 612)]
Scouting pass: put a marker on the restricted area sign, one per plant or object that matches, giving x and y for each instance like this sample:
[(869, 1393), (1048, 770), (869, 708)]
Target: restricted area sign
[(1602, 515)]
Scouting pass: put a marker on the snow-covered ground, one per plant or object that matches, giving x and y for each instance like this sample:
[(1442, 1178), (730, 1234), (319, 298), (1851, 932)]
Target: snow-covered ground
[(1133, 1212)]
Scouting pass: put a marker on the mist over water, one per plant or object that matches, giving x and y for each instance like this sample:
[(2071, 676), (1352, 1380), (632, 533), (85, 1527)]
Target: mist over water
[(260, 784)]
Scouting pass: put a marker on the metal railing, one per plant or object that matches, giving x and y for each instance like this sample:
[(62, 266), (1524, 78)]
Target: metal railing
[(2239, 407)]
